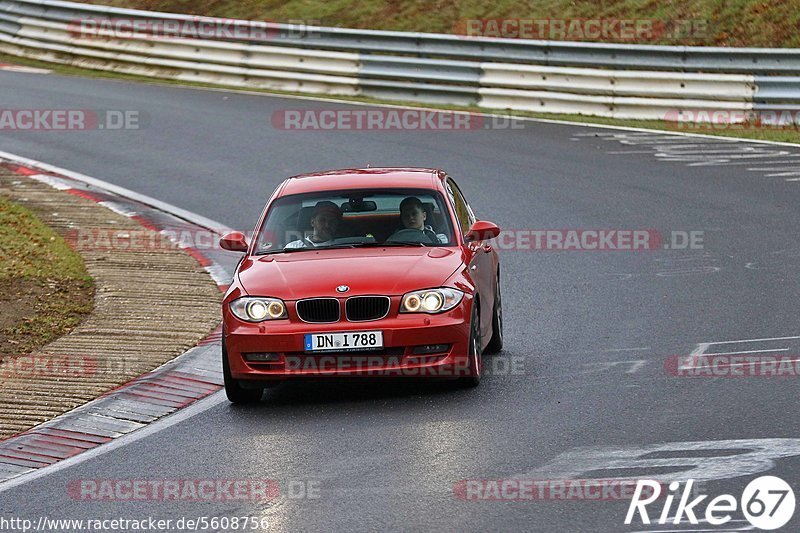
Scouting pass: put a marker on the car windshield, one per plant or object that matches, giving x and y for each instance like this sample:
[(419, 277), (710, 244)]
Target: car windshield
[(355, 218)]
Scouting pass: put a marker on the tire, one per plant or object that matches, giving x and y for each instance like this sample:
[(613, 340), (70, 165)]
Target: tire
[(233, 389), (496, 342), (475, 360)]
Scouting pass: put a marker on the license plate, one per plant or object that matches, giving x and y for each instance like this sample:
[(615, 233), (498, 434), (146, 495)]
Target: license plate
[(343, 342)]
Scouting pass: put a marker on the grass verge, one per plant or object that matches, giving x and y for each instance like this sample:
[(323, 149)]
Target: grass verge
[(687, 22), (45, 290)]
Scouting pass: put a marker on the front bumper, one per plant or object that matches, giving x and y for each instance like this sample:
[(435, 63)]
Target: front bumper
[(402, 333)]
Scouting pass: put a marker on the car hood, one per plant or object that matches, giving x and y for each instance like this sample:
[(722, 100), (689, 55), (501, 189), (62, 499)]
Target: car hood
[(391, 271)]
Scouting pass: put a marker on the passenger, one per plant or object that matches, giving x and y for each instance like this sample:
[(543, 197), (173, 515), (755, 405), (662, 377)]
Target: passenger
[(413, 216), (324, 221)]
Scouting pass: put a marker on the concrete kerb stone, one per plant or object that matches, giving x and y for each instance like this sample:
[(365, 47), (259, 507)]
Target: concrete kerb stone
[(150, 358)]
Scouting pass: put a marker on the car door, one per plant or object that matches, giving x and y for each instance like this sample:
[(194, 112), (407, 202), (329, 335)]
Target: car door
[(481, 254)]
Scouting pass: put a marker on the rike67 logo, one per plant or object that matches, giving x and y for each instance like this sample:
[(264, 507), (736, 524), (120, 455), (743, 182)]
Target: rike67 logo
[(767, 503)]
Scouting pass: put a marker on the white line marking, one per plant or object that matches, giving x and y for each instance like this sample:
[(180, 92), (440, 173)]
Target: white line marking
[(701, 521), (52, 181), (758, 455), (781, 174), (769, 168), (167, 421), (120, 191), (690, 362), (117, 208), (635, 365), (684, 271), (721, 152), (129, 438), (717, 530), (219, 274), (755, 340), (667, 141), (699, 350), (794, 162), (733, 150), (749, 351), (701, 160), (734, 365), (642, 349), (704, 521), (613, 363)]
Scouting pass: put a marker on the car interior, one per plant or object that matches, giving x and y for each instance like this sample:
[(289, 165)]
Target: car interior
[(363, 224)]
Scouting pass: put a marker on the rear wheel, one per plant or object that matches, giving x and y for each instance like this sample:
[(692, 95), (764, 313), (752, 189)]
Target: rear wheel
[(475, 361), (233, 387), (496, 342)]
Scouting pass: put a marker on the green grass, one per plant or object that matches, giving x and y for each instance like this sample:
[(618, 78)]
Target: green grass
[(29, 248), (772, 23), (38, 267), (790, 135)]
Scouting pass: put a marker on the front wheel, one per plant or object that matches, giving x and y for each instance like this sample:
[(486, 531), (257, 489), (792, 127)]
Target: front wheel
[(233, 389), (475, 360), (496, 342)]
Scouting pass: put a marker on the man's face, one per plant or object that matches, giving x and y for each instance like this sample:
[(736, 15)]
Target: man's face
[(325, 226), (413, 217)]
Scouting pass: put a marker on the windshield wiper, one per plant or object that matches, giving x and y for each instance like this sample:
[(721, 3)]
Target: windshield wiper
[(284, 251), (333, 246), (348, 245), (393, 243), (304, 249)]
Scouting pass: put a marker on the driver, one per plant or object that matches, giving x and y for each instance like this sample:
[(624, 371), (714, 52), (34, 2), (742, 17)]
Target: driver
[(413, 216), (324, 221)]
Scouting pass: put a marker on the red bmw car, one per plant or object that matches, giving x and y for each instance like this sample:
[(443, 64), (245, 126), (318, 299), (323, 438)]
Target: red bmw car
[(365, 272)]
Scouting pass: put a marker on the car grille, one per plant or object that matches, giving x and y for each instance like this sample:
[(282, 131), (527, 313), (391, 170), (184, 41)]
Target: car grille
[(318, 310), (363, 308)]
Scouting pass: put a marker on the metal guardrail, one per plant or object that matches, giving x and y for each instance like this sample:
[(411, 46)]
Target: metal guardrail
[(624, 81)]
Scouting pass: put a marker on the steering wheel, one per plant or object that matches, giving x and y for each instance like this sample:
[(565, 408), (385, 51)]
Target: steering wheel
[(410, 235)]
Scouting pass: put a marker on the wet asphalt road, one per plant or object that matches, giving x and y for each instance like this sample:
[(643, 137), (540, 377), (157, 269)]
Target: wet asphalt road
[(587, 333)]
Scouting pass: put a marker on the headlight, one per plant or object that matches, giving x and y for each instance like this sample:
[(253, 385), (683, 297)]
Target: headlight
[(430, 300), (251, 309)]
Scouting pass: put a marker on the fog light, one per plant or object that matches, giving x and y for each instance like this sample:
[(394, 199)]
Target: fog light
[(431, 348), (260, 357)]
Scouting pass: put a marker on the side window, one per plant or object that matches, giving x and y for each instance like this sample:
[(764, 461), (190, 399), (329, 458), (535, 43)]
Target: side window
[(463, 212)]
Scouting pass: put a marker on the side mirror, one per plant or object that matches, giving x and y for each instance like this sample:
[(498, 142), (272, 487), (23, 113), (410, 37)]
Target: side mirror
[(482, 230), (234, 241)]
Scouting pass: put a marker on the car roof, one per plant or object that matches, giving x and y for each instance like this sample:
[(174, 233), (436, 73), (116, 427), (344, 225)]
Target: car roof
[(358, 178)]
